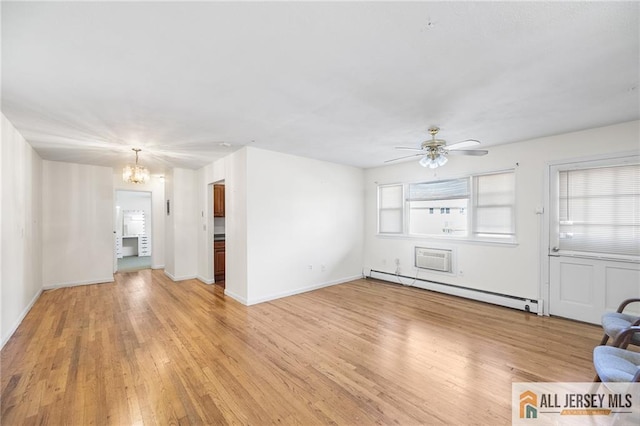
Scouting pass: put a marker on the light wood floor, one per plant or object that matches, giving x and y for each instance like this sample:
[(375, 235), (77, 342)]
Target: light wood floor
[(147, 350)]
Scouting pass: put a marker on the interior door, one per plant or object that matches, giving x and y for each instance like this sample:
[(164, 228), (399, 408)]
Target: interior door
[(594, 225)]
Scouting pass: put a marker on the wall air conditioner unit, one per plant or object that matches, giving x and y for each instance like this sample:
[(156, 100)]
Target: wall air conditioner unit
[(433, 259)]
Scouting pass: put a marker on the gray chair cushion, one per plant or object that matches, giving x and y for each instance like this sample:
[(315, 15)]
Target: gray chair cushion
[(613, 323), (615, 364)]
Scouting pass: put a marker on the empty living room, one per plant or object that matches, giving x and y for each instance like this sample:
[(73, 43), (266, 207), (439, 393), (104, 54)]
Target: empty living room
[(349, 213)]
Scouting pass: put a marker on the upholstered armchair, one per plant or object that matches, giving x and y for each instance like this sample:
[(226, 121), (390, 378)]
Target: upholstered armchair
[(614, 323), (614, 364)]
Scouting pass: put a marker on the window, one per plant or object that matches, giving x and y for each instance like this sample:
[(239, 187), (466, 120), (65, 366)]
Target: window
[(494, 205), (443, 196), (390, 209), (599, 210), (480, 207)]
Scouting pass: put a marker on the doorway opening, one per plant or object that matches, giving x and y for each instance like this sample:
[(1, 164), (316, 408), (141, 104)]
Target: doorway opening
[(133, 231), (219, 234)]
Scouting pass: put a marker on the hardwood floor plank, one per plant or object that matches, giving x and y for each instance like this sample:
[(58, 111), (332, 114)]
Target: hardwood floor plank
[(146, 350)]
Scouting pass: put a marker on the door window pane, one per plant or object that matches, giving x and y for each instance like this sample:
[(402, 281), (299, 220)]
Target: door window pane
[(599, 210)]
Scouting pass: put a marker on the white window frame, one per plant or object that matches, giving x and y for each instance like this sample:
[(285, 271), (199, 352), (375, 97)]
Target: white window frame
[(506, 237), (471, 236), (401, 209)]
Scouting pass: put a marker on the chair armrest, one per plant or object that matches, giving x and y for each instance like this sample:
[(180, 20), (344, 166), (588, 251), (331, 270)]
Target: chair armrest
[(627, 302), (624, 334)]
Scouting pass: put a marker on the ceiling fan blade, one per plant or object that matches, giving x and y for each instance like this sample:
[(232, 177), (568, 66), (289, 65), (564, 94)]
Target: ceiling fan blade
[(405, 148), (463, 144), (476, 152), (406, 156)]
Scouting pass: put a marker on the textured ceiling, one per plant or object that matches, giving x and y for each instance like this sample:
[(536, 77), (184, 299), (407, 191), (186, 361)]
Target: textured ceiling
[(344, 82)]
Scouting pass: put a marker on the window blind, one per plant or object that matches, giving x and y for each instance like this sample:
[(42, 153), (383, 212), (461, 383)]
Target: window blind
[(440, 190), (390, 209), (599, 210), (495, 204)]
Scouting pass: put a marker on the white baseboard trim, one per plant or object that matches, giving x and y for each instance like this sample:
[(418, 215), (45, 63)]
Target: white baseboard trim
[(24, 313), (515, 302), (182, 278), (206, 280), (301, 290), (235, 297), (77, 283), (157, 266)]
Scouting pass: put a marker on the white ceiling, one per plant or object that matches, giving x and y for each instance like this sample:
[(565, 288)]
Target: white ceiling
[(345, 82)]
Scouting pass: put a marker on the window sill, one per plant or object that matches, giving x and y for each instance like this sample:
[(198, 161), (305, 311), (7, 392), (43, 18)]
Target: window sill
[(461, 240)]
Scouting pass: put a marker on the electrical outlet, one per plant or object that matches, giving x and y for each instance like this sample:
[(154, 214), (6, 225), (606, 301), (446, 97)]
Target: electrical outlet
[(323, 268)]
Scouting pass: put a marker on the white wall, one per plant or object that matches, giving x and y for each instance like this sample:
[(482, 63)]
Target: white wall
[(20, 249), (283, 214), (169, 257), (77, 224), (304, 224), (506, 269), (158, 213), (181, 227), (236, 195), (3, 136)]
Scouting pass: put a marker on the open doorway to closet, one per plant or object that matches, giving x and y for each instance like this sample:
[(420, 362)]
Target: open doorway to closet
[(133, 230)]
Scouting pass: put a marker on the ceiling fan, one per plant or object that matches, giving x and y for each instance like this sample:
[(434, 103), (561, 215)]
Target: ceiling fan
[(434, 152)]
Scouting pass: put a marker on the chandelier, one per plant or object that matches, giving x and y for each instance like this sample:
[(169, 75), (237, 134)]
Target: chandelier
[(135, 173)]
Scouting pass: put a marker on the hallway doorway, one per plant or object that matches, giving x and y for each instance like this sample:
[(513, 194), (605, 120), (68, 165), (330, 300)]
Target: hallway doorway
[(133, 231)]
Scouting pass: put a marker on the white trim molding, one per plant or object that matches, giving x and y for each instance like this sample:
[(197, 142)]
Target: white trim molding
[(302, 290), (77, 283), (24, 313)]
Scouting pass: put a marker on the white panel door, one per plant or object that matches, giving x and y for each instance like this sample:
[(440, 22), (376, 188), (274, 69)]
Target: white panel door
[(621, 282), (585, 288), (591, 271)]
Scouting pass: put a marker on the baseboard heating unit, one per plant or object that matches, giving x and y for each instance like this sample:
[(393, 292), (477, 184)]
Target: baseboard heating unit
[(527, 305)]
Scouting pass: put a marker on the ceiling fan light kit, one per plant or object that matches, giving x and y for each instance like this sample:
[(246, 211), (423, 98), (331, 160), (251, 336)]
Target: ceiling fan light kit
[(434, 159), (434, 151), (135, 173)]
